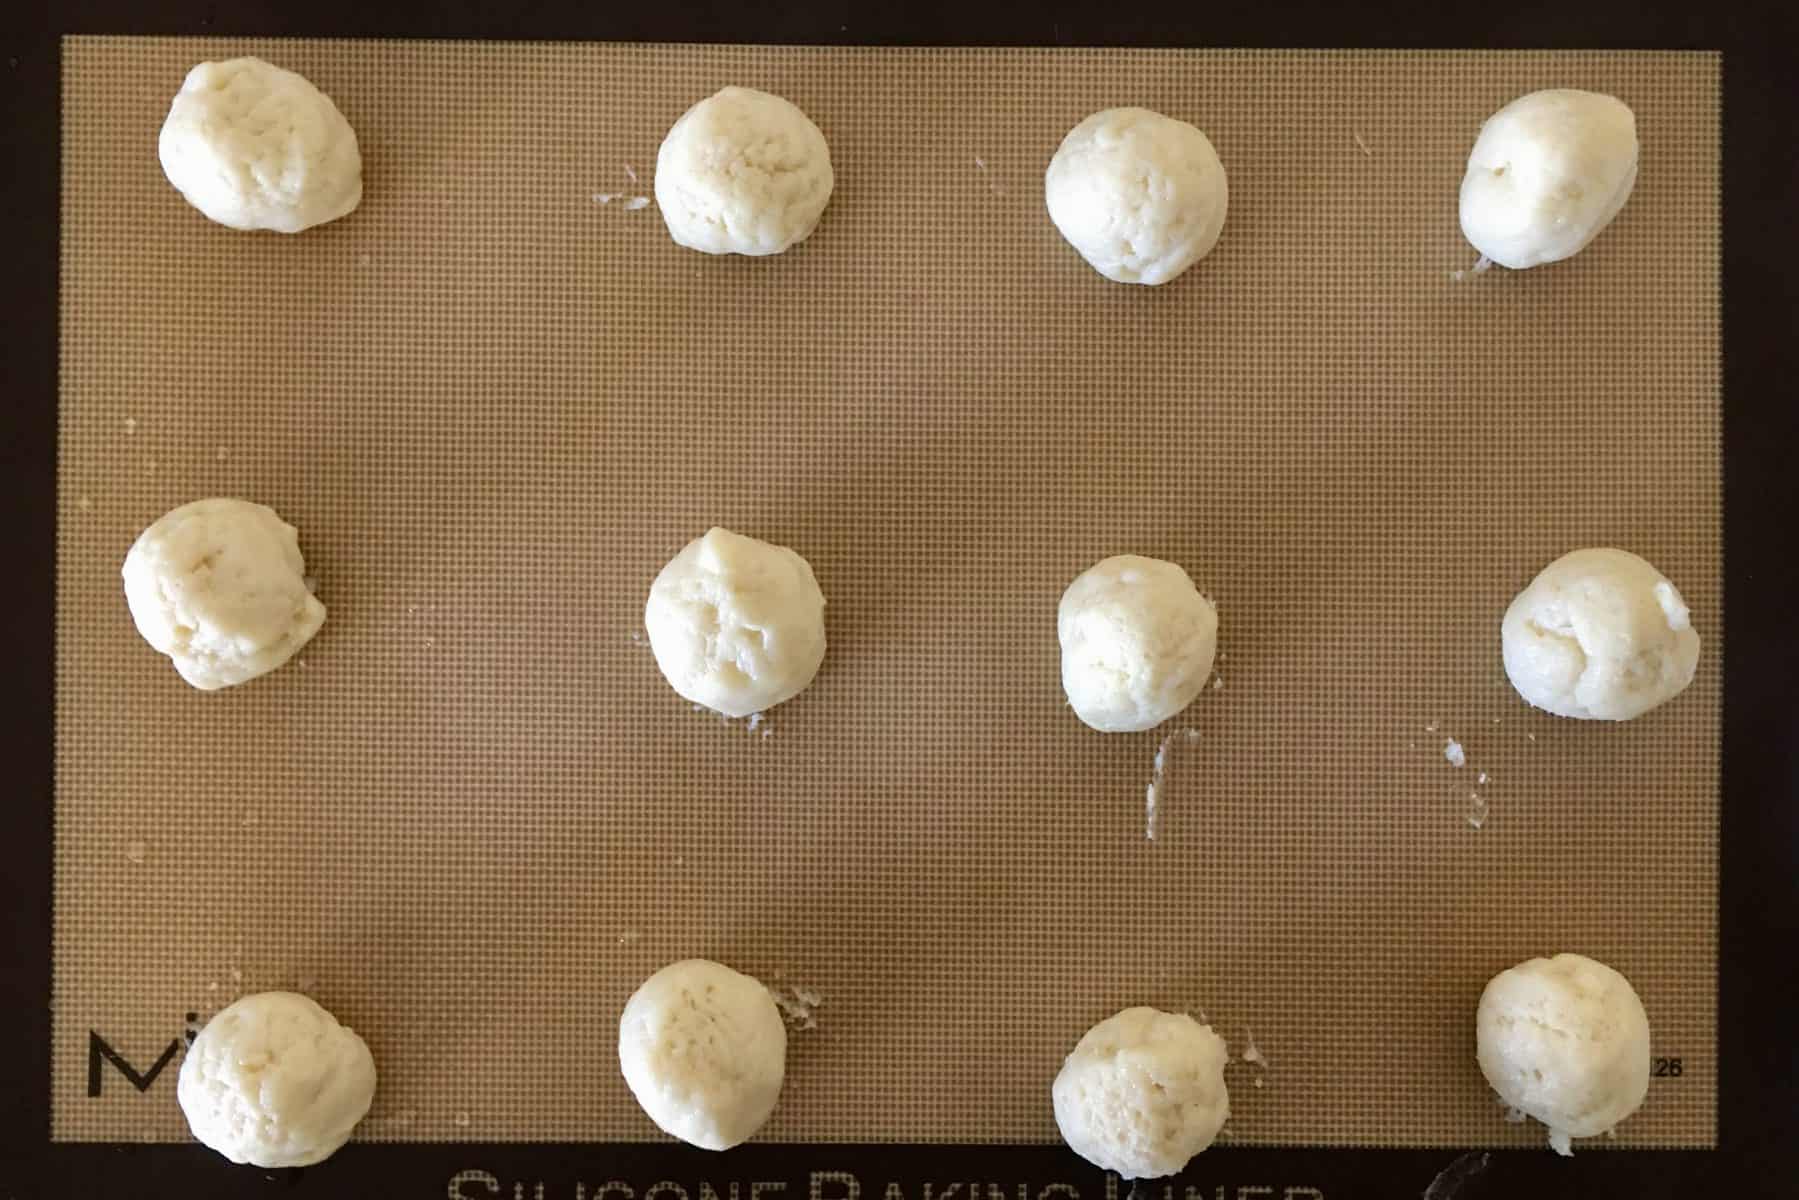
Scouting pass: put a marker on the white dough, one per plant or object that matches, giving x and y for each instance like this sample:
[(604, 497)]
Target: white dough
[(1140, 195), (220, 587), (275, 1081), (1565, 1040), (1138, 642), (256, 147), (743, 172), (704, 1050), (736, 624), (1599, 635), (1547, 173), (1143, 1092)]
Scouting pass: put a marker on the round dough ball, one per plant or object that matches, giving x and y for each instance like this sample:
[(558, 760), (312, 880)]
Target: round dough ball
[(275, 1081), (220, 587), (1565, 1040), (743, 172), (703, 1050), (1143, 1092), (1547, 173), (256, 147), (736, 624), (1137, 643), (1599, 635), (1140, 195)]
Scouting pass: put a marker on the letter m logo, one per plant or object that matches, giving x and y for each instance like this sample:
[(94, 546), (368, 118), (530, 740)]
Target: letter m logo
[(99, 1054)]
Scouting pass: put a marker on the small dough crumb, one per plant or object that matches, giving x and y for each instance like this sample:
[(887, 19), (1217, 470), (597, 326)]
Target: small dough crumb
[(1452, 750)]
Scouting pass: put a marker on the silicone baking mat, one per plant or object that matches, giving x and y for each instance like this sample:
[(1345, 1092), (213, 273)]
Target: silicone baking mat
[(471, 817)]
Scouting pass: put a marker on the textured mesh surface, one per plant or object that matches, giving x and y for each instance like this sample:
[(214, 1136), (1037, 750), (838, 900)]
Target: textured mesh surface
[(472, 818)]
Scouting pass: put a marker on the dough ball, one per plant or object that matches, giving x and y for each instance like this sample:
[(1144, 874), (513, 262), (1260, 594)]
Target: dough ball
[(1140, 195), (1547, 173), (736, 624), (704, 1050), (743, 172), (1137, 643), (1143, 1092), (1565, 1040), (275, 1081), (220, 587), (256, 147), (1600, 635)]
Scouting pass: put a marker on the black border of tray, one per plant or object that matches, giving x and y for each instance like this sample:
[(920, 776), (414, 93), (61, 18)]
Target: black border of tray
[(1759, 894)]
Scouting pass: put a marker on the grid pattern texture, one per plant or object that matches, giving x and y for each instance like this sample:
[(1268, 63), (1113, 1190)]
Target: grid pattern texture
[(471, 817)]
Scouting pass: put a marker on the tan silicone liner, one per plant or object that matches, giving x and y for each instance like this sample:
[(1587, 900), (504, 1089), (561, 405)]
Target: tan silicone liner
[(471, 817)]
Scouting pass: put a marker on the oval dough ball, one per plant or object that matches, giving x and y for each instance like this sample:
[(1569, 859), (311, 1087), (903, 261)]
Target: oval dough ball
[(703, 1050), (1547, 173), (1138, 642), (275, 1081), (1143, 1092), (220, 587), (1599, 635), (736, 624), (1140, 195), (743, 172), (256, 147), (1565, 1040)]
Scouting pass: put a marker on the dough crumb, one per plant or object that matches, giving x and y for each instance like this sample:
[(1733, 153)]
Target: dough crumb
[(992, 186), (629, 203), (1452, 750), (1431, 728), (630, 936), (461, 1120), (799, 1005), (755, 721), (130, 424), (137, 852), (1480, 265), (1363, 146), (1251, 1052), (630, 174), (1153, 794)]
